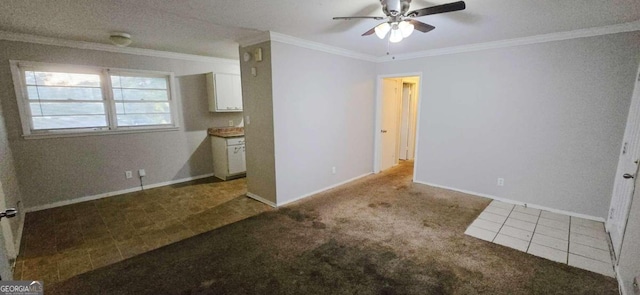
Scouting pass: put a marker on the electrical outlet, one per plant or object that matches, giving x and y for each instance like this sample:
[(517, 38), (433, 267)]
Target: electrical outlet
[(333, 170), (128, 174), (142, 173), (500, 181), (230, 123), (247, 120)]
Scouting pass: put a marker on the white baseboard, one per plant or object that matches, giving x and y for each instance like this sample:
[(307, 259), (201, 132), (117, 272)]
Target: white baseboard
[(261, 199), (111, 194), (18, 240), (324, 189), (535, 206), (621, 287)]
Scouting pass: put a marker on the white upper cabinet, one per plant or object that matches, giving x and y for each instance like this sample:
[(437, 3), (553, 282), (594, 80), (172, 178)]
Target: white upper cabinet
[(225, 92)]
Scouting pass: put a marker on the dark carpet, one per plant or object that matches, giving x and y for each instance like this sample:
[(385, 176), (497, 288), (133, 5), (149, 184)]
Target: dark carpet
[(379, 235)]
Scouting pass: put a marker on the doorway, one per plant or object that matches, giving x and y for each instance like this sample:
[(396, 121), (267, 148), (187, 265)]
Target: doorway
[(396, 120)]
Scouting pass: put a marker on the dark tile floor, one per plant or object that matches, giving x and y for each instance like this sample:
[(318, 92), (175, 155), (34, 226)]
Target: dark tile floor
[(62, 242)]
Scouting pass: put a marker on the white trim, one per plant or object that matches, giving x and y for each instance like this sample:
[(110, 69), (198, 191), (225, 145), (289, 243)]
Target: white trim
[(320, 47), (111, 194), (563, 212), (324, 189), (261, 199), (581, 33), (18, 241), (28, 38), (621, 289), (256, 39)]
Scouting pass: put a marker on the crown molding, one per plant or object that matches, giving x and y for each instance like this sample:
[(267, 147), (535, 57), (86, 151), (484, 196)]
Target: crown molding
[(255, 39), (320, 47), (28, 38), (581, 33)]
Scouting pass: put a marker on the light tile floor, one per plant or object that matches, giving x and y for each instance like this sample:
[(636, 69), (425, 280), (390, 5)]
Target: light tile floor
[(575, 241)]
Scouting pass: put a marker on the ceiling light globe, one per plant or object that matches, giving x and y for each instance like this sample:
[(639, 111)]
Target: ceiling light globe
[(382, 30), (396, 36), (406, 28)]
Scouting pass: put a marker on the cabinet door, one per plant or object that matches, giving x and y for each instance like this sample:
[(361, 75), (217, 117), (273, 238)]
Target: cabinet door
[(225, 92), (236, 158), (236, 104)]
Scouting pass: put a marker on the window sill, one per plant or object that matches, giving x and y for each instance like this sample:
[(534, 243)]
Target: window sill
[(95, 133)]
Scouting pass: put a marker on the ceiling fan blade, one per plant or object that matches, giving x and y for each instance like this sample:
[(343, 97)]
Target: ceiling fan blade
[(449, 7), (358, 17), (369, 32), (420, 26)]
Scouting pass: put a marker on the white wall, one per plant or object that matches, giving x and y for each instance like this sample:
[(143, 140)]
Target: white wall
[(60, 169), (323, 108), (549, 118)]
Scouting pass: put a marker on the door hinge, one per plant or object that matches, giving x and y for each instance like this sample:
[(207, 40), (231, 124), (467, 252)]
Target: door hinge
[(613, 210)]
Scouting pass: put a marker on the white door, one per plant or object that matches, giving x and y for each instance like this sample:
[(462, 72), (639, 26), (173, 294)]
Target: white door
[(389, 126), (627, 171), (405, 122)]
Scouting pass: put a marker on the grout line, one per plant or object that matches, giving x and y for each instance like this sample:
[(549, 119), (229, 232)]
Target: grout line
[(505, 221), (534, 231)]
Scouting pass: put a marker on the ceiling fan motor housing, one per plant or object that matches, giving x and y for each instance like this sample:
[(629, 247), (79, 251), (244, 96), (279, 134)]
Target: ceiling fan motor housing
[(395, 7)]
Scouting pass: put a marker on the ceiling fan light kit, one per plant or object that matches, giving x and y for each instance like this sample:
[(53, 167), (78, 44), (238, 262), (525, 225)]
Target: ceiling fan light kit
[(400, 23)]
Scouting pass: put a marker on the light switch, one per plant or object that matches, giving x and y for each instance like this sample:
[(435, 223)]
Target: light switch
[(247, 120), (254, 72), (258, 54)]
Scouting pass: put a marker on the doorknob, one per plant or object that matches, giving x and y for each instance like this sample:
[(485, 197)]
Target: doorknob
[(10, 212), (627, 176), (383, 131)]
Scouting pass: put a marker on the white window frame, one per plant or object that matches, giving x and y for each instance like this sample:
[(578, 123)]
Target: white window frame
[(19, 67)]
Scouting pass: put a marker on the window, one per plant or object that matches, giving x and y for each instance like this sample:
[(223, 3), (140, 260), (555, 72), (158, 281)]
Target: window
[(63, 100)]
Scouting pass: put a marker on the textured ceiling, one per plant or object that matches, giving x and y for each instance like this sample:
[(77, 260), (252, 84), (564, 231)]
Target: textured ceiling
[(212, 27)]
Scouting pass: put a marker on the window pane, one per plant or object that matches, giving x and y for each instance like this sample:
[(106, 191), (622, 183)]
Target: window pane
[(138, 82), (64, 122), (63, 93), (140, 94), (62, 79), (57, 109), (144, 119), (142, 108)]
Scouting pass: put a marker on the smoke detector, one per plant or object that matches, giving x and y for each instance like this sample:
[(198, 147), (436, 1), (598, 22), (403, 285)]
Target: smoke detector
[(120, 39)]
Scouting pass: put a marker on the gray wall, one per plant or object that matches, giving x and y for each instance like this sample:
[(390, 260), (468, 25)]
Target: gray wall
[(257, 102), (549, 118), (323, 106), (59, 169)]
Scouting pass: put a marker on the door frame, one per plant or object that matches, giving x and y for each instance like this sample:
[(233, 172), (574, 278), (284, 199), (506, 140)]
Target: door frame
[(377, 138), (634, 109)]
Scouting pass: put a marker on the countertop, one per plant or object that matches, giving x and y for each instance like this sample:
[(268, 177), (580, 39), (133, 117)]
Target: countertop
[(226, 132)]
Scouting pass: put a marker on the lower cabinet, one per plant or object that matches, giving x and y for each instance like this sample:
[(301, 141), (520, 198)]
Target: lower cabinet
[(228, 157)]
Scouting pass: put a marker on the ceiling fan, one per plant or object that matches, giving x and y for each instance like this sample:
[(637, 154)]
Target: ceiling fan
[(399, 20)]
